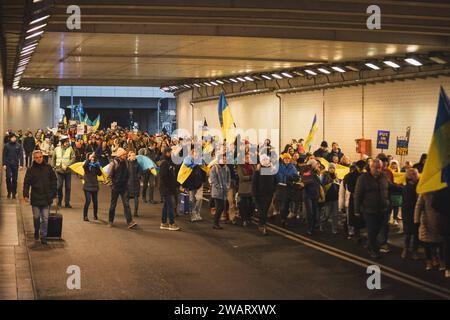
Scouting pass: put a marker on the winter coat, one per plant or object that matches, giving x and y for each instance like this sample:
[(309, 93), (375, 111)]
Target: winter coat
[(312, 185), (196, 179), (90, 177), (118, 175), (263, 185), (408, 207), (29, 144), (42, 180), (245, 180), (429, 219), (346, 198), (320, 153), (332, 153), (331, 185), (134, 182), (371, 194), (220, 181), (13, 154), (168, 178)]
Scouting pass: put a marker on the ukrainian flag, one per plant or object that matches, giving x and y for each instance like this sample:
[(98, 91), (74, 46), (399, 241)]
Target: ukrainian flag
[(96, 123), (311, 134), (186, 169), (226, 119), (436, 172)]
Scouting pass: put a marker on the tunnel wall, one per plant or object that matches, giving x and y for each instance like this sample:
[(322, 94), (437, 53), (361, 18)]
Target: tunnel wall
[(28, 110), (343, 114)]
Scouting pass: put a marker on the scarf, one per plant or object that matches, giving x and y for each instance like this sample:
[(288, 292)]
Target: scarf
[(94, 165)]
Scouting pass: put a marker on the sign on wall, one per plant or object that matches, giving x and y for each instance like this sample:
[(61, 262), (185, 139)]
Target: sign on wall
[(383, 139)]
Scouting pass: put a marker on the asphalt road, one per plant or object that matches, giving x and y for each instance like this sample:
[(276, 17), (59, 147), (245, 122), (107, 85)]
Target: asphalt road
[(194, 263)]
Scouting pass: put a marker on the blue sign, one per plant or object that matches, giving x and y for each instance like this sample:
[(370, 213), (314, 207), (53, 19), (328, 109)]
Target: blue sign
[(383, 139)]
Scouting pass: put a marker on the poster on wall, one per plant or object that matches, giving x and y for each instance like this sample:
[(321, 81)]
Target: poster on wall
[(383, 139)]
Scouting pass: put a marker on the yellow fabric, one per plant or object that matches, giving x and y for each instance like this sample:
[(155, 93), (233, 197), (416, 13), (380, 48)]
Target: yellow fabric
[(183, 174), (63, 160), (228, 126), (311, 135), (78, 169)]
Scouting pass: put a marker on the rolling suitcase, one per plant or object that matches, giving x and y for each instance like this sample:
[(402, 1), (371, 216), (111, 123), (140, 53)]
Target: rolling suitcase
[(184, 206), (54, 229)]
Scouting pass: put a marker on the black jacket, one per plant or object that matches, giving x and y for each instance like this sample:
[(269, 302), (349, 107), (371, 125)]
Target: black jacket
[(263, 186), (134, 182), (13, 154), (29, 144), (196, 179), (168, 178), (408, 206), (371, 194), (118, 175), (332, 153), (42, 180), (91, 177)]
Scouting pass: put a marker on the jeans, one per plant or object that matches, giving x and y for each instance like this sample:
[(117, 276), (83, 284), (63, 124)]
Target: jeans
[(245, 206), (220, 207), (374, 223), (431, 250), (66, 179), (384, 232), (312, 210), (88, 196), (415, 241), (284, 208), (126, 206), (12, 172), (263, 205), (196, 201), (168, 209), (136, 203), (149, 184), (40, 219), (332, 212)]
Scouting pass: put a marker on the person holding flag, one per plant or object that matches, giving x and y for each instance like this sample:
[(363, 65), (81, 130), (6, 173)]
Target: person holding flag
[(311, 135)]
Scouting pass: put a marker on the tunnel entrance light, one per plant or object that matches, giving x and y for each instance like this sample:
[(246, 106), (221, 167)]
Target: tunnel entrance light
[(413, 61)]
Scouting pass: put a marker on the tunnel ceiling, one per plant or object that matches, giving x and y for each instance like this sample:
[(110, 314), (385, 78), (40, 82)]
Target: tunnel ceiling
[(154, 42)]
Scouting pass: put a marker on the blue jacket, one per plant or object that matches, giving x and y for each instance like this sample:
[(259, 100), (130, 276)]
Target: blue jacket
[(13, 154), (285, 172)]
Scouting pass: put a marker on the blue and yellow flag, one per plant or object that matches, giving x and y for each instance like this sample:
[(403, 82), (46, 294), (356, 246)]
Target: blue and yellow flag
[(436, 172), (226, 119), (312, 133), (186, 169), (96, 123)]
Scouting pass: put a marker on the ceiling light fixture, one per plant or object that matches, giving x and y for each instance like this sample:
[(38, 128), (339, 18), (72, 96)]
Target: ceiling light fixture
[(233, 80), (338, 69), (413, 61), (438, 59), (323, 70), (391, 64), (36, 34), (36, 28), (248, 78), (266, 77), (39, 19), (276, 76), (287, 74), (372, 66), (241, 79), (311, 72)]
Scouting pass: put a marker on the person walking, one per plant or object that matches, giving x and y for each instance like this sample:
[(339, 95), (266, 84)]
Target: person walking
[(149, 180), (311, 193), (331, 185), (92, 170), (63, 156), (194, 184), (245, 203), (41, 179), (220, 183), (410, 229), (29, 144), (118, 179), (134, 181), (12, 162), (264, 183), (168, 190), (372, 201)]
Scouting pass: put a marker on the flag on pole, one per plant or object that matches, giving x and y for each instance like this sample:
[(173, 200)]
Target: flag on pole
[(312, 133), (96, 123), (226, 119), (436, 172)]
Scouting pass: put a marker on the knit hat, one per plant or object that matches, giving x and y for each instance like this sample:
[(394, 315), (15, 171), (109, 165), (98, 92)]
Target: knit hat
[(286, 156)]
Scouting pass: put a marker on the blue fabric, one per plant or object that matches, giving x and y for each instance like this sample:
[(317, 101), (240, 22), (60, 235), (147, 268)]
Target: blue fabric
[(286, 171), (94, 165)]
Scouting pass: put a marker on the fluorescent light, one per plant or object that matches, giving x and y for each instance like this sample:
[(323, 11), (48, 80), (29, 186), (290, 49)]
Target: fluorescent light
[(233, 80), (276, 76), (266, 77), (42, 90), (287, 75), (338, 69), (413, 61), (35, 28), (323, 70), (219, 81), (310, 72), (372, 66), (30, 46), (39, 19), (27, 50), (34, 35), (208, 84), (352, 68), (248, 78), (298, 73), (438, 59), (197, 85), (241, 79), (214, 83), (391, 64)]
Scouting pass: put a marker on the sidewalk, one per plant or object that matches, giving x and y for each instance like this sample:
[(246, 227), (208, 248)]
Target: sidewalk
[(15, 272)]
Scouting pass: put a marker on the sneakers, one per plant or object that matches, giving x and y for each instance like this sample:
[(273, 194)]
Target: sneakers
[(9, 195), (173, 227), (95, 218), (68, 206), (132, 224), (164, 226), (217, 227), (86, 219), (384, 248)]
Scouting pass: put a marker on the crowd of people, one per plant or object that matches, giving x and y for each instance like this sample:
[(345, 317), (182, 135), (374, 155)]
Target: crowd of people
[(244, 180)]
